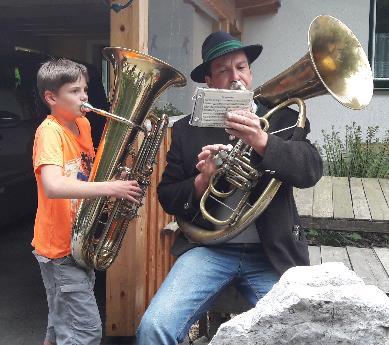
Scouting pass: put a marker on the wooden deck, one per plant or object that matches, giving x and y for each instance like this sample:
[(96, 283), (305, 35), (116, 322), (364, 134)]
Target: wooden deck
[(370, 264), (339, 204), (342, 204)]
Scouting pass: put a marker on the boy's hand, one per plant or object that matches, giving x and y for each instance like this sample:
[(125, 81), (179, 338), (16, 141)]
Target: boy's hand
[(128, 190)]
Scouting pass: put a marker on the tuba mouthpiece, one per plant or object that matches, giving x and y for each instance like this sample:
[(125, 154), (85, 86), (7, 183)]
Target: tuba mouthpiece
[(237, 85), (86, 107)]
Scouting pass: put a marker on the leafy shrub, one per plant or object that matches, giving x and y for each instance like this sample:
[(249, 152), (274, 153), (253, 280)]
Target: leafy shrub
[(168, 109), (355, 157)]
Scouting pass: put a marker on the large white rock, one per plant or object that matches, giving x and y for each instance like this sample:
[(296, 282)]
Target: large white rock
[(319, 305)]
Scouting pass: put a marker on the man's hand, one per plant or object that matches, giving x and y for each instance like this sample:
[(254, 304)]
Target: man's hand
[(207, 167), (246, 126)]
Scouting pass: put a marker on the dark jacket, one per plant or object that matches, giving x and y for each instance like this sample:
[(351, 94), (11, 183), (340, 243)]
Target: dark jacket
[(294, 162)]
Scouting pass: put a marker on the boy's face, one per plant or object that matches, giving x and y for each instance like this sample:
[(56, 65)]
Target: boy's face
[(229, 68), (67, 101)]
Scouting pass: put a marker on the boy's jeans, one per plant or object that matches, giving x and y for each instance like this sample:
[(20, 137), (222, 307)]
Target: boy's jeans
[(193, 283), (73, 318)]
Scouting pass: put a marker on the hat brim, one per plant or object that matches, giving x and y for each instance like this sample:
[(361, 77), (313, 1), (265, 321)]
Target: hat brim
[(252, 53)]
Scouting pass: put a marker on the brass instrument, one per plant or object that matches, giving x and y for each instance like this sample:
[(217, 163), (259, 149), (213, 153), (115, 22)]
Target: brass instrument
[(101, 223), (335, 64)]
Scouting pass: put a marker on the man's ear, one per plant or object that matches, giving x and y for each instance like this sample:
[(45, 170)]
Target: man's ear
[(208, 80), (50, 97)]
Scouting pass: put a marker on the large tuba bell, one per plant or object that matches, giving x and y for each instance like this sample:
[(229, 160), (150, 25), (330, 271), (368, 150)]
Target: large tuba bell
[(335, 64), (101, 223)]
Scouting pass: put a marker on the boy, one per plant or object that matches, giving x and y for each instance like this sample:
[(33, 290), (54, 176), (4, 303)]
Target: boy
[(62, 158)]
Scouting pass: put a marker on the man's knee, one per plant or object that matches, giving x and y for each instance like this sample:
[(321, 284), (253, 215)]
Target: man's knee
[(149, 324)]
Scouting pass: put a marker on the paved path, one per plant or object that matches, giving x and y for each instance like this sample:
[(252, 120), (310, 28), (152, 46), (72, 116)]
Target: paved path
[(23, 306)]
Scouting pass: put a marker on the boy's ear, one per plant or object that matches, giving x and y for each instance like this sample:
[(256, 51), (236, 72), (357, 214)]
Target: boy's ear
[(50, 97)]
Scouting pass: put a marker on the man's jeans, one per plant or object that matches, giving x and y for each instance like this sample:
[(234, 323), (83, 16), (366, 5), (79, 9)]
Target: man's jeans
[(195, 281)]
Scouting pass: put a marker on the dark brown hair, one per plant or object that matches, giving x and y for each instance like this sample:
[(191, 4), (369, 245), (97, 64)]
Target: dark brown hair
[(55, 73)]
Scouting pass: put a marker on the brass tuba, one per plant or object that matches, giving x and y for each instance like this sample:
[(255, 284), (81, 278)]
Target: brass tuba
[(101, 223), (335, 64)]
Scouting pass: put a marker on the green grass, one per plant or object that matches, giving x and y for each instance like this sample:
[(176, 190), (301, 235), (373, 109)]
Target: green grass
[(346, 238)]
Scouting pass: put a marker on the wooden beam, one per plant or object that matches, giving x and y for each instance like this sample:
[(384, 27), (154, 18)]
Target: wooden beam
[(224, 8), (126, 278), (222, 25), (228, 14), (252, 3), (223, 11), (255, 7), (129, 27)]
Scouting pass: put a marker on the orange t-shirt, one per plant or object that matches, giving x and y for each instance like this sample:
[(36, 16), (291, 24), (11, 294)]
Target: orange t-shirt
[(57, 145)]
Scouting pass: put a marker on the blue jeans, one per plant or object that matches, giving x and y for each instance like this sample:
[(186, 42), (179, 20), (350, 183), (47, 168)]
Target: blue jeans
[(193, 283)]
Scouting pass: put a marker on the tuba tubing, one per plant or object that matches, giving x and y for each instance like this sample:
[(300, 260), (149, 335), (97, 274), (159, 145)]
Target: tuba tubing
[(238, 221), (101, 223)]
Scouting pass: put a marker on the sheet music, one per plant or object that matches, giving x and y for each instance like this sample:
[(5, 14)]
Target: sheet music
[(211, 105)]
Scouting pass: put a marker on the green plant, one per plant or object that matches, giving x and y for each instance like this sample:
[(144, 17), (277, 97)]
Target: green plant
[(318, 237), (354, 156), (168, 109)]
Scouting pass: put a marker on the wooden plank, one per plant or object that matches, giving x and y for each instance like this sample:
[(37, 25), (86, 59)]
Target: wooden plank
[(160, 216), (314, 255), (384, 183), (367, 266), (304, 200), (345, 224), (383, 256), (322, 198), (379, 209), (152, 258), (169, 217), (335, 254), (360, 206), (139, 283), (341, 197)]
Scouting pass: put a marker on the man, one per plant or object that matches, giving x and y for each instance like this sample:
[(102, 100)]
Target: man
[(256, 258)]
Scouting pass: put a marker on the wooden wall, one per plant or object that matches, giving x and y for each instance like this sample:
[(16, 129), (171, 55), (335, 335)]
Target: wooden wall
[(144, 258), (143, 262)]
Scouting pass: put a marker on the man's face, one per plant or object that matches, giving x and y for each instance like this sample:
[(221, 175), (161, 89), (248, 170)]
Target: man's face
[(67, 101), (229, 68)]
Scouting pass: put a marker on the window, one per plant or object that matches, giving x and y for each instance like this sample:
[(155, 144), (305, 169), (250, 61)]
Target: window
[(379, 43)]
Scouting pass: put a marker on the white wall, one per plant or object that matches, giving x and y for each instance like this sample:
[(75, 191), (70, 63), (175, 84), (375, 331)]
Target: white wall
[(176, 32), (284, 38), (170, 39), (202, 27)]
